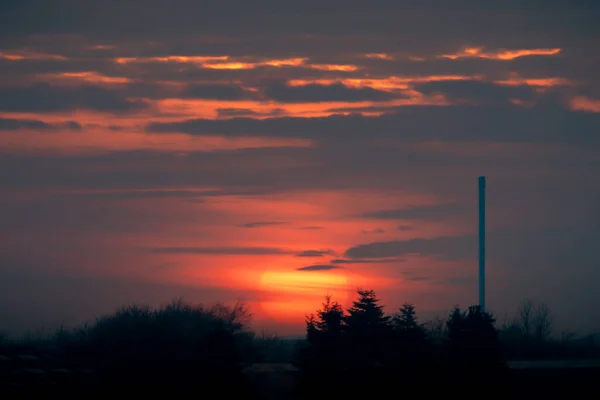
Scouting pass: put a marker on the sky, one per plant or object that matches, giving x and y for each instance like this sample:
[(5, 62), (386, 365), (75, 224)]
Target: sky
[(274, 152)]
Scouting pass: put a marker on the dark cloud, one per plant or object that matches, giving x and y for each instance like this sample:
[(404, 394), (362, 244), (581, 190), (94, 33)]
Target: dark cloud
[(216, 92), (245, 112), (260, 224), (449, 248), (46, 98), (9, 124), (525, 251), (418, 278), (315, 93), (476, 90), (315, 253), (249, 251), (548, 123), (74, 125), (377, 230), (310, 228), (404, 22), (366, 261), (317, 268), (405, 228), (434, 212)]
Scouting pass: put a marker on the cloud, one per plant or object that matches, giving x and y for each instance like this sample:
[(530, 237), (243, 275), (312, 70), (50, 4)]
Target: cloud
[(523, 250), (418, 278), (405, 228), (366, 261), (250, 251), (216, 92), (247, 112), (316, 18), (315, 253), (586, 104), (318, 268), (502, 54), (430, 212), (44, 98), (74, 125), (311, 228), (476, 90), (447, 247), (548, 123), (323, 93), (23, 55), (378, 230), (9, 124), (261, 224)]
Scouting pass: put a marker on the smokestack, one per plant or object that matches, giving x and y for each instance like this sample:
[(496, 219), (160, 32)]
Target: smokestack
[(482, 243)]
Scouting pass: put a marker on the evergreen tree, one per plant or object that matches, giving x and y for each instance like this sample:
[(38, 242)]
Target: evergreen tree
[(366, 315), (369, 329), (473, 341), (324, 334), (411, 340), (406, 320)]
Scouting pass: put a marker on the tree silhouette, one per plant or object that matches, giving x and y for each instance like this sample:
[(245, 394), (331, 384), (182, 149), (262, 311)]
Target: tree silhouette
[(369, 329), (324, 334), (472, 339), (366, 315), (412, 343), (165, 346)]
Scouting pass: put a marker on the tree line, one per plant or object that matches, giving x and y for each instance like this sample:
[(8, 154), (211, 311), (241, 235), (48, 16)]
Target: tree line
[(179, 342), (363, 336)]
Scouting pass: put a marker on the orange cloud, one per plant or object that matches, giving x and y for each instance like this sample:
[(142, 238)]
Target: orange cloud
[(171, 59), (334, 67), (293, 62), (88, 77), (228, 63), (390, 83), (522, 103), (28, 55), (583, 103), (286, 62), (538, 82), (505, 55), (102, 47), (379, 56), (100, 139), (266, 109)]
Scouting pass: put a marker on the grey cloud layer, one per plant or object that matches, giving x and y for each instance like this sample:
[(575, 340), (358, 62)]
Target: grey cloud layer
[(44, 98), (334, 92), (434, 212), (268, 16), (545, 123)]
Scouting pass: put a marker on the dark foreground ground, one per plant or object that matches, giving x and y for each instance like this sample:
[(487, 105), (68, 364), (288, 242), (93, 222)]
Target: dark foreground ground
[(283, 381), (25, 373)]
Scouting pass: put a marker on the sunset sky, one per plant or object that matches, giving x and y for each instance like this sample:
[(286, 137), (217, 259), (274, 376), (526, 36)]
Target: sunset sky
[(277, 151)]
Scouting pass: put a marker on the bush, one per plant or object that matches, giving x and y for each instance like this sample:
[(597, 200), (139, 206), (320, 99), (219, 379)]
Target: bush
[(172, 344)]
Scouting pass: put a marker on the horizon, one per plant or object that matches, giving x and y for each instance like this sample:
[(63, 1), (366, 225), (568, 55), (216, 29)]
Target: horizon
[(274, 154)]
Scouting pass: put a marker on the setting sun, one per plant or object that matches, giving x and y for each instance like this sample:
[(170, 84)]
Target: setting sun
[(297, 292)]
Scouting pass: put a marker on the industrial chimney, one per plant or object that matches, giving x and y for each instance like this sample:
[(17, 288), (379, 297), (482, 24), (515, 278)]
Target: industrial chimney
[(482, 243)]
